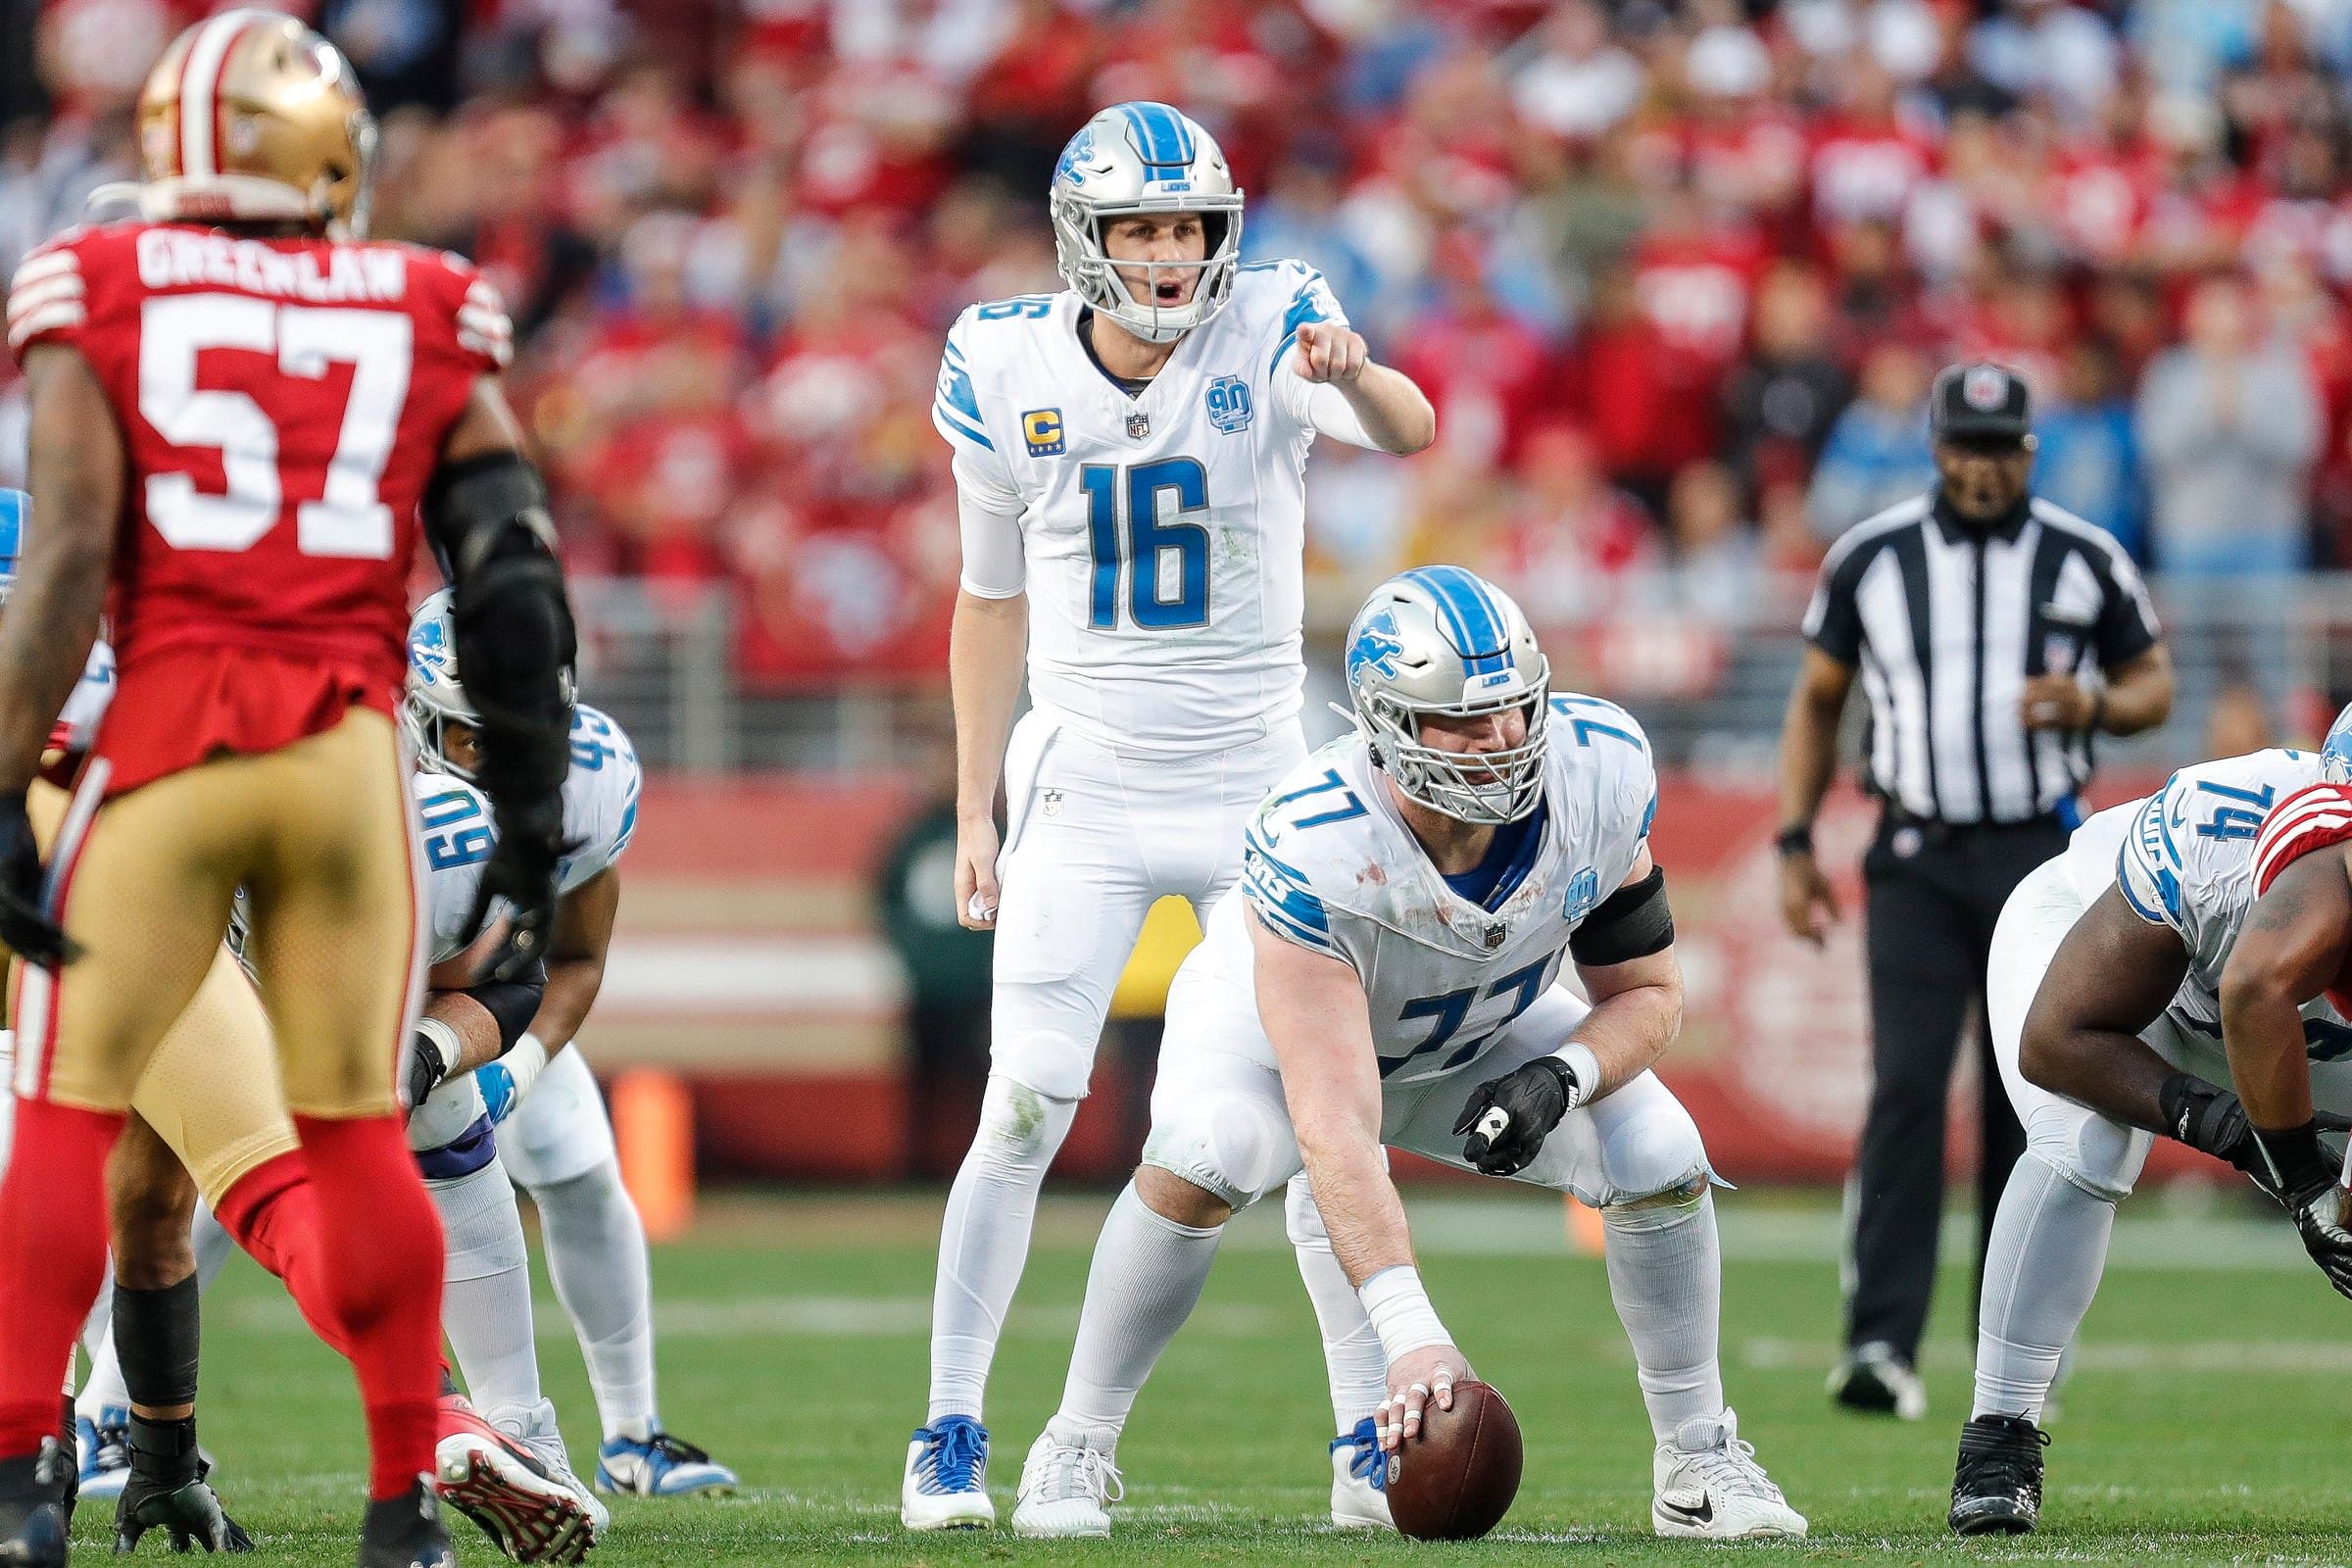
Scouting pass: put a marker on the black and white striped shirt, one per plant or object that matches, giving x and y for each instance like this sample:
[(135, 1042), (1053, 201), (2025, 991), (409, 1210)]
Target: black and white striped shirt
[(1947, 626)]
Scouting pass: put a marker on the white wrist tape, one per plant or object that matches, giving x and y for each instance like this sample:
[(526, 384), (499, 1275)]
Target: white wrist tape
[(525, 1063), (1584, 1067), (444, 1040), (1400, 1313)]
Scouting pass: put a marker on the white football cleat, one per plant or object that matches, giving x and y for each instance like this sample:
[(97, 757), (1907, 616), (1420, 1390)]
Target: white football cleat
[(1359, 1480), (1710, 1487), (1068, 1485), (534, 1427), (946, 1484)]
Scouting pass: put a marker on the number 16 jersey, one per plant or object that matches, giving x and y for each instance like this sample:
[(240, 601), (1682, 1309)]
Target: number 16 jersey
[(283, 403), (1162, 534)]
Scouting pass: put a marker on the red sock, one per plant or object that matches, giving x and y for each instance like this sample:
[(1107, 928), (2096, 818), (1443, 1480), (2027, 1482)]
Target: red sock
[(273, 1213), (379, 1248), (52, 1259)]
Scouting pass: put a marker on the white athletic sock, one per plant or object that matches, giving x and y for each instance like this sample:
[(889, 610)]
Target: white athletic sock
[(1666, 1278), (1352, 1359), (2047, 1249), (1146, 1279), (983, 1238), (486, 1292), (596, 1255)]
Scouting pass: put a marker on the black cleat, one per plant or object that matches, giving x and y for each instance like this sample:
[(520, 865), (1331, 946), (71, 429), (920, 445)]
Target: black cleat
[(1996, 1487), (406, 1532), (32, 1507)]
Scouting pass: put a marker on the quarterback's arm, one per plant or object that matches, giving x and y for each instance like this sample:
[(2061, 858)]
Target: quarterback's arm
[(1351, 398), (2291, 947), (986, 643), (575, 958), (75, 471)]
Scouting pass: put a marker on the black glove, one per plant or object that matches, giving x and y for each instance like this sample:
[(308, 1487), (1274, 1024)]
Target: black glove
[(2304, 1180), (2210, 1119), (521, 869), (1530, 1101), (24, 926), (184, 1506)]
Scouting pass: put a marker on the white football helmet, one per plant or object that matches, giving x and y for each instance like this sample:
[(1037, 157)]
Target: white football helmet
[(2336, 752), (1144, 157), (435, 697), (1444, 641)]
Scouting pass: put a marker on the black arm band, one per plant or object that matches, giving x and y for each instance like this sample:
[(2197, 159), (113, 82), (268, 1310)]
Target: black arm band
[(515, 633), (2295, 1157), (513, 1003), (1631, 923)]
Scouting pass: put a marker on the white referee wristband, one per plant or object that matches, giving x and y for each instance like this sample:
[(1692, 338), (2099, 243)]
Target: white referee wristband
[(1584, 1068), (1400, 1313)]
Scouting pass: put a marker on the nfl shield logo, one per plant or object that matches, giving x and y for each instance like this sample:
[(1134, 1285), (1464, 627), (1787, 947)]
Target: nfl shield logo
[(1139, 425), (1493, 933), (1985, 388)]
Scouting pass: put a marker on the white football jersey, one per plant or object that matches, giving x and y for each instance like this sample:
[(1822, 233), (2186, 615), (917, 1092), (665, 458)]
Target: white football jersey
[(1162, 534), (2186, 862), (600, 796), (77, 724), (454, 818), (1330, 864)]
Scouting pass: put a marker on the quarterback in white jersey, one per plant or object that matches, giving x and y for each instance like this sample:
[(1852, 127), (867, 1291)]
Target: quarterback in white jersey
[(1129, 469), (1389, 974), (2103, 996), (553, 1137)]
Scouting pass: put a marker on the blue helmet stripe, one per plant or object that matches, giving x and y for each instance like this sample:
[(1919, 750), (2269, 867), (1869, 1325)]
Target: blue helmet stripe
[(1166, 143), (1470, 614)]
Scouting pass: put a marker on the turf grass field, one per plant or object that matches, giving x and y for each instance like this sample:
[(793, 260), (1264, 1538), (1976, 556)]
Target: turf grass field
[(2204, 1422)]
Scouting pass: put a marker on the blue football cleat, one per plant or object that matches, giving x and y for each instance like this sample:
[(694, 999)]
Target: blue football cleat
[(1359, 1480), (946, 1485), (660, 1466), (105, 1446)]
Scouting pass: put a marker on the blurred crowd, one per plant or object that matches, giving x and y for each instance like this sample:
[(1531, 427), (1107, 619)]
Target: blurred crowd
[(1675, 274)]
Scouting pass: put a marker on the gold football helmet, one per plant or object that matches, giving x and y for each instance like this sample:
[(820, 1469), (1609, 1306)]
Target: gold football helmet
[(250, 117)]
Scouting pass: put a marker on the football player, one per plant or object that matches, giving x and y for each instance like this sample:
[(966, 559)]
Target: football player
[(2105, 998), (2290, 957), (1390, 973), (1129, 459), (204, 1120), (553, 1134), (241, 410)]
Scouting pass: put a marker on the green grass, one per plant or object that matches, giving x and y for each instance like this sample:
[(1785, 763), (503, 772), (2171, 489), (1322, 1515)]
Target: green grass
[(2205, 1422)]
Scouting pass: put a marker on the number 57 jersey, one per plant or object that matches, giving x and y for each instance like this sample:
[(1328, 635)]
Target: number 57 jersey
[(1161, 534), (283, 403)]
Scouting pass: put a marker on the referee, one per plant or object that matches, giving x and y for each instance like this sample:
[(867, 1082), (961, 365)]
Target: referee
[(1995, 634)]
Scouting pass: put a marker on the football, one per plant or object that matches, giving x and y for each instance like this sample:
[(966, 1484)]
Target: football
[(1456, 1480)]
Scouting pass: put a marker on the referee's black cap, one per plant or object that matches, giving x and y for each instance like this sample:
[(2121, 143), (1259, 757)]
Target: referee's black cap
[(1980, 404)]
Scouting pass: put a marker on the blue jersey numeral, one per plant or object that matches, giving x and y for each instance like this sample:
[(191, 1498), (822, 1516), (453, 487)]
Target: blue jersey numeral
[(1026, 306), (455, 833), (2241, 822), (1451, 1009), (1146, 541), (591, 740), (1349, 808)]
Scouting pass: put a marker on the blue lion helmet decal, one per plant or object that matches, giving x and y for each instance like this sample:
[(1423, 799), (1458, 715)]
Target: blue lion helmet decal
[(1377, 646), (430, 651), (1081, 150)]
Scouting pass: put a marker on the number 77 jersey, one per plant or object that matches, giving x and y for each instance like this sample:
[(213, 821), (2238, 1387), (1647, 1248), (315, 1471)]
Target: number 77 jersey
[(283, 404), (1162, 534)]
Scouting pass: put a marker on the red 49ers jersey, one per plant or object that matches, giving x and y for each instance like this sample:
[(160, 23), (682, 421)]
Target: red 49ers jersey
[(2314, 817), (284, 403)]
